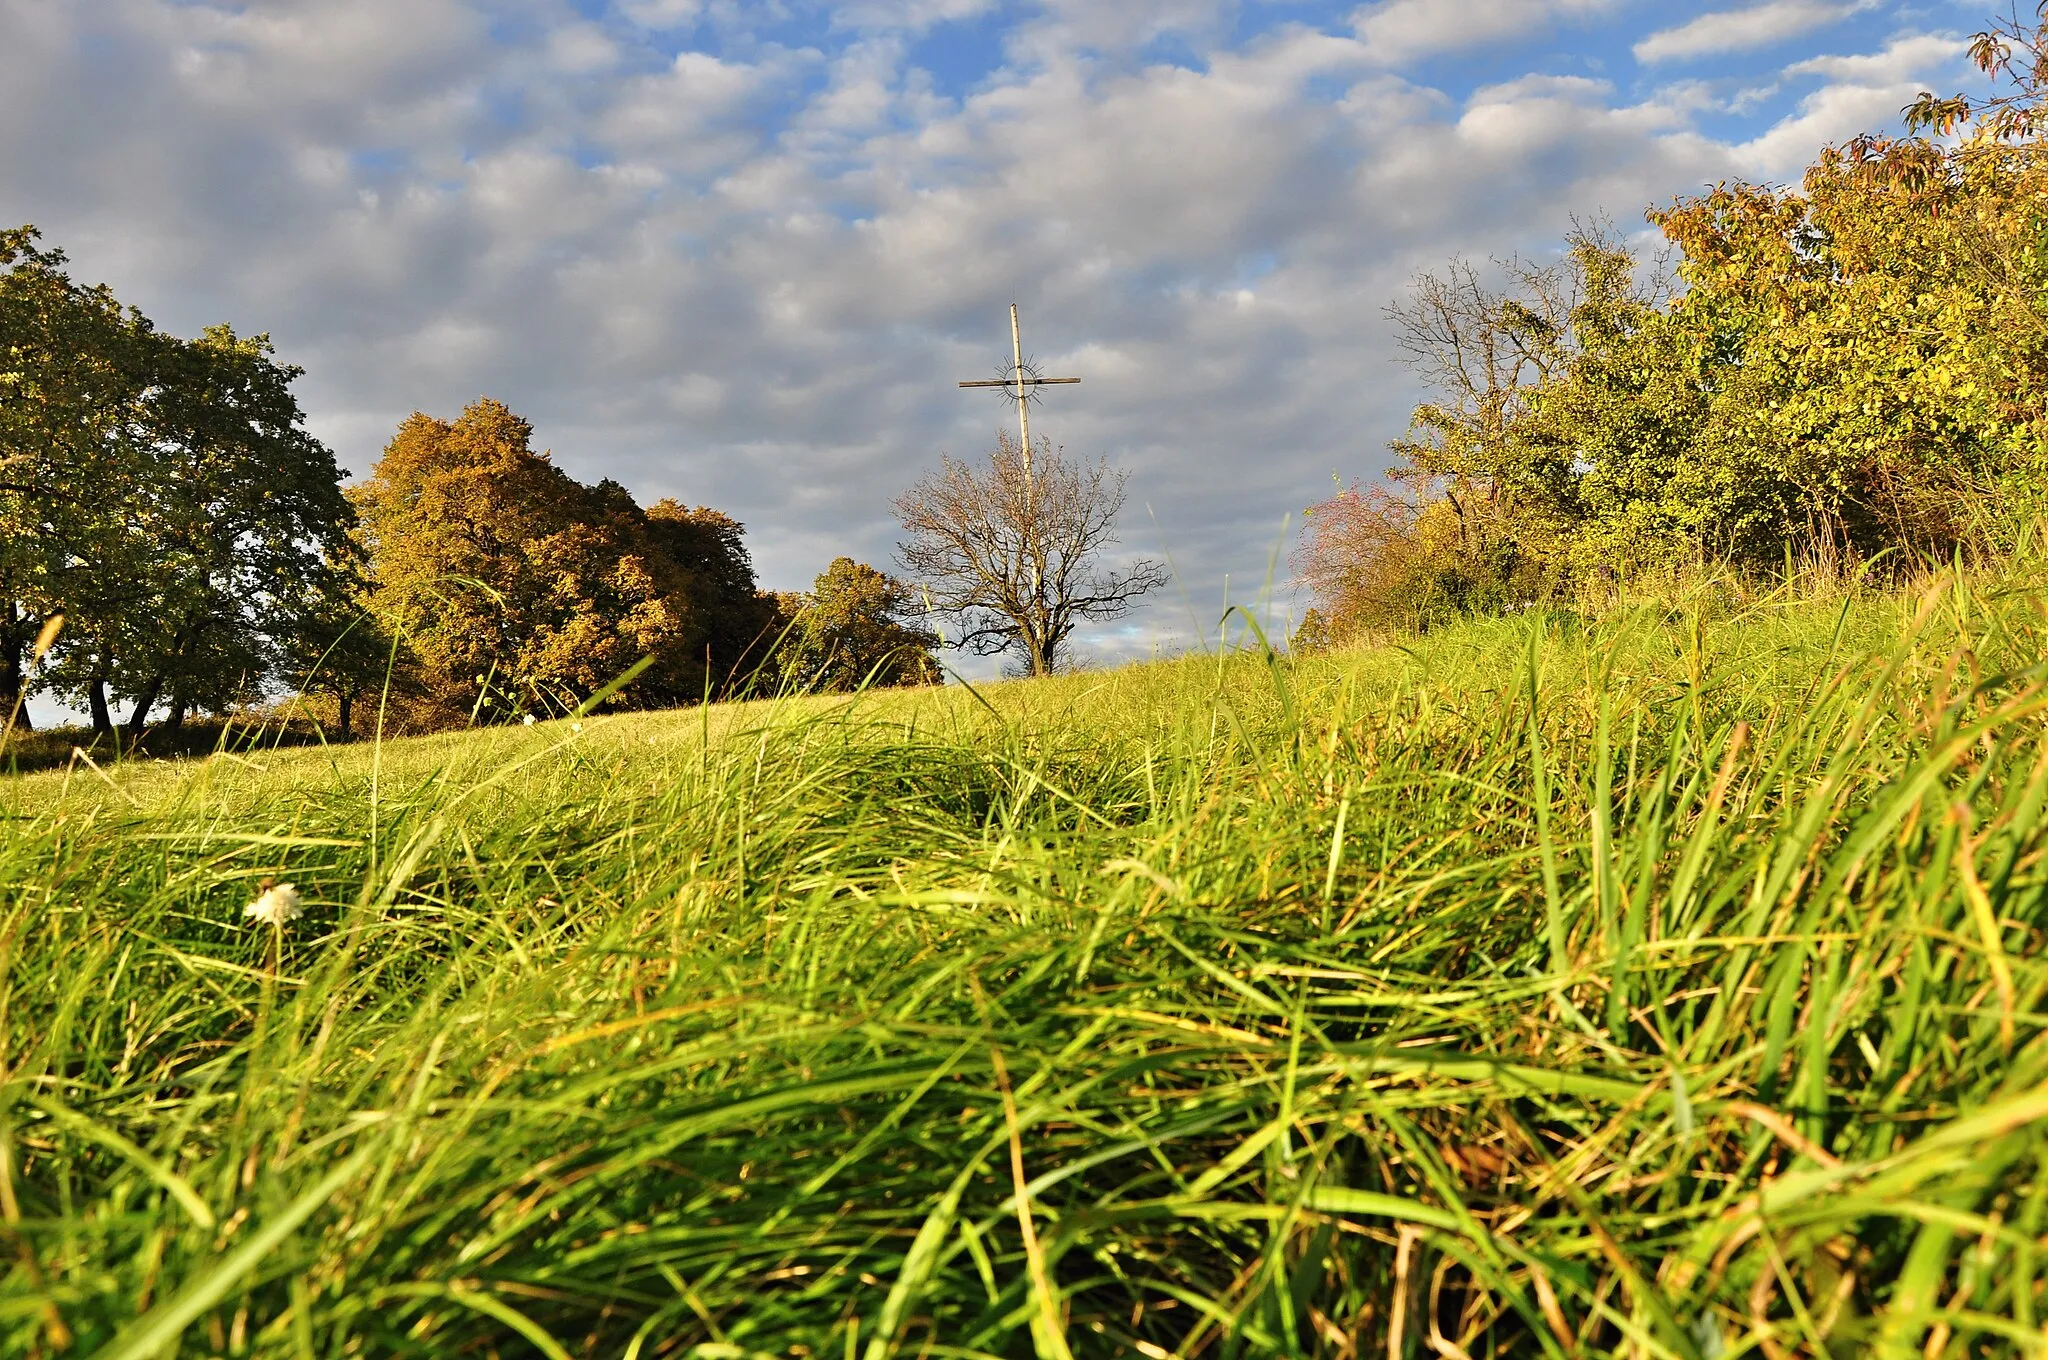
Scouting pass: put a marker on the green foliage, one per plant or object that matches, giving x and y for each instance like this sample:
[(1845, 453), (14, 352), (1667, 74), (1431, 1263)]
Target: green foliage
[(160, 494), (851, 632), (1664, 985), (74, 373), (342, 653), (1847, 372), (1865, 367), (247, 522)]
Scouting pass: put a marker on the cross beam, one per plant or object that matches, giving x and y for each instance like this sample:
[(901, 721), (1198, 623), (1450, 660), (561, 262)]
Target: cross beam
[(1020, 382)]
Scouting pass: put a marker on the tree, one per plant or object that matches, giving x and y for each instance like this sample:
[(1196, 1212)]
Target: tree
[(74, 377), (247, 521), (1010, 550), (851, 631), (517, 585), (342, 651), (737, 623), (1378, 562), (160, 494), (1853, 367), (1484, 452)]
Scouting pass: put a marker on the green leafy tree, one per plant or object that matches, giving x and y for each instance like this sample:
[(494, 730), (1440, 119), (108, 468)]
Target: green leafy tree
[(342, 652), (854, 629), (75, 372), (1849, 370), (247, 518), (160, 494)]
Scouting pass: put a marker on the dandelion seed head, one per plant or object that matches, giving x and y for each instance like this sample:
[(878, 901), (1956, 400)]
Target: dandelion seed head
[(276, 905)]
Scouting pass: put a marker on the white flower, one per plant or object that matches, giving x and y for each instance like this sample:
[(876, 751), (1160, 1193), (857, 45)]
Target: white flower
[(528, 720), (575, 727), (276, 905)]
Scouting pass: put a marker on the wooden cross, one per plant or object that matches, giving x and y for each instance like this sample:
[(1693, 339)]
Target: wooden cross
[(1020, 382)]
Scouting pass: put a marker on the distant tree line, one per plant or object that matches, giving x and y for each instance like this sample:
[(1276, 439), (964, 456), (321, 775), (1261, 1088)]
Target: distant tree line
[(1853, 371), (168, 520)]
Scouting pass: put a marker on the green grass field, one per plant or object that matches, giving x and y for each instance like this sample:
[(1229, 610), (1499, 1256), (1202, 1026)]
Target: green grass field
[(1663, 984)]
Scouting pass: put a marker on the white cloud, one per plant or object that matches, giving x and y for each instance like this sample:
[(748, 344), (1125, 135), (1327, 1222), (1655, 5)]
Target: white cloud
[(581, 49), (662, 14), (1906, 59), (1864, 93), (911, 16), (1396, 31), (1742, 30), (1580, 89)]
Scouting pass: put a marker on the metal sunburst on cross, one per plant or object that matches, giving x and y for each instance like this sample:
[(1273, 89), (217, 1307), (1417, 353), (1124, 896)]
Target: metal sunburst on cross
[(1020, 382)]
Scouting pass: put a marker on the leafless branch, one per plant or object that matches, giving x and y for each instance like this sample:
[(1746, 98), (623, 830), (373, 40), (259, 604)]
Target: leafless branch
[(1010, 555)]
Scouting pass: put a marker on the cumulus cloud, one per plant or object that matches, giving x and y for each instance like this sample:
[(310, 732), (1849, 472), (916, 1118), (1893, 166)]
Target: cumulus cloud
[(662, 14), (1862, 92), (1905, 60), (1395, 31), (1742, 30)]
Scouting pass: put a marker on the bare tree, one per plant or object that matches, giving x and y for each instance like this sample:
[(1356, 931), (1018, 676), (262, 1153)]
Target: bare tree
[(1009, 550)]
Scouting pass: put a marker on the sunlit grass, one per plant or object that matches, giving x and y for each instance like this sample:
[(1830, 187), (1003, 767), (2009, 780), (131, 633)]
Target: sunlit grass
[(1666, 984)]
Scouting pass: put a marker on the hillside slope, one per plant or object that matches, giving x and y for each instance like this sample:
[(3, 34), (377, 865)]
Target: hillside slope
[(1663, 984)]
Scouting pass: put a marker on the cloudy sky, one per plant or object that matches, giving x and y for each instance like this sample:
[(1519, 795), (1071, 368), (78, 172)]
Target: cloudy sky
[(739, 253)]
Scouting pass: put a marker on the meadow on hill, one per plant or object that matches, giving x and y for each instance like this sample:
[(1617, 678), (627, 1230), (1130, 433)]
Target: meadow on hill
[(1661, 982)]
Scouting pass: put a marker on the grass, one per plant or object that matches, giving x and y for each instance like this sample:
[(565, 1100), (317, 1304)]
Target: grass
[(1663, 984)]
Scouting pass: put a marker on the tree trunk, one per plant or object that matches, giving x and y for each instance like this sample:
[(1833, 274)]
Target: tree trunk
[(144, 702), (1038, 652), (346, 702), (96, 698), (174, 721), (13, 675)]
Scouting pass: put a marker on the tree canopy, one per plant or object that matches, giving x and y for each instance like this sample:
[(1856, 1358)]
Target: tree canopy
[(853, 629), (1852, 370), (161, 495), (520, 589)]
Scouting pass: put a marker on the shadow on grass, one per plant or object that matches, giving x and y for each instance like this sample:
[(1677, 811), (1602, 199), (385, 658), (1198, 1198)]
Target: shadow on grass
[(27, 752)]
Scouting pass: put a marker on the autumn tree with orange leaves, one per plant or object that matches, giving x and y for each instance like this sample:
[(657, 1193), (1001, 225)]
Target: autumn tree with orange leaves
[(520, 589)]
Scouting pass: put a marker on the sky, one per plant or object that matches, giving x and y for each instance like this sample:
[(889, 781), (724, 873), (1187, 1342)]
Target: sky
[(741, 253)]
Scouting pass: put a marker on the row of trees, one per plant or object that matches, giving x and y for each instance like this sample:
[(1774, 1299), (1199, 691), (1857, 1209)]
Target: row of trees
[(509, 588), (1852, 370), (173, 539)]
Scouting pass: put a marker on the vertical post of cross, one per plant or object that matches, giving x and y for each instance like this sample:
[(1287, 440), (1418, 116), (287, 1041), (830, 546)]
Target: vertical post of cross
[(1023, 392)]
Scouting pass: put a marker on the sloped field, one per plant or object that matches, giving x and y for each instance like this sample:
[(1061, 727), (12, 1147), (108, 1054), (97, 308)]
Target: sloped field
[(1666, 985)]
